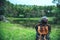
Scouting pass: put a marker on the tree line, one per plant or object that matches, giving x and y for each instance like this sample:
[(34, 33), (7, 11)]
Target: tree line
[(28, 11), (12, 10)]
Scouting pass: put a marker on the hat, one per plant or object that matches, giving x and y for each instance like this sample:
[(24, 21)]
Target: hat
[(44, 17), (44, 20)]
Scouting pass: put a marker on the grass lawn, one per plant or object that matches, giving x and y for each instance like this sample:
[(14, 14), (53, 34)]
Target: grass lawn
[(10, 18), (10, 31)]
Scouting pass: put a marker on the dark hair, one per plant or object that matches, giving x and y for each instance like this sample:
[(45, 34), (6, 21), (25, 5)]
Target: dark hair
[(44, 21)]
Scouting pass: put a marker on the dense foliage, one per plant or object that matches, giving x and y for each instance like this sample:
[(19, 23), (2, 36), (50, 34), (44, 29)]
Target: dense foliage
[(27, 10)]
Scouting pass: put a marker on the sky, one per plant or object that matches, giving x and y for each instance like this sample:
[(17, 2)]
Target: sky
[(33, 2)]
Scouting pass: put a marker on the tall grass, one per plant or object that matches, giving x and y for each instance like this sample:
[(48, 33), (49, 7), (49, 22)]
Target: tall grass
[(10, 31)]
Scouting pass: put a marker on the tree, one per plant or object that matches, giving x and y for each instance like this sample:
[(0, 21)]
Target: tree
[(57, 11), (2, 4)]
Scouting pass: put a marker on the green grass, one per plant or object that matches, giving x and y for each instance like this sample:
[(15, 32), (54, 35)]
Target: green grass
[(10, 18), (10, 31), (16, 32)]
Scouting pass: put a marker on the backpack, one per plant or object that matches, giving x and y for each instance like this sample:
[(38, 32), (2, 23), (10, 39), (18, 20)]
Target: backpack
[(43, 30)]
